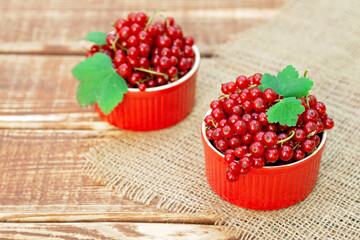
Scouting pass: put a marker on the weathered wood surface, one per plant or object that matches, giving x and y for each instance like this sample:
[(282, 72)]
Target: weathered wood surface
[(52, 27), (43, 132), (124, 231)]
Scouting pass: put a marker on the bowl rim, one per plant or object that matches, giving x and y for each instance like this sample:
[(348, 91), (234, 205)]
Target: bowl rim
[(179, 81), (321, 145)]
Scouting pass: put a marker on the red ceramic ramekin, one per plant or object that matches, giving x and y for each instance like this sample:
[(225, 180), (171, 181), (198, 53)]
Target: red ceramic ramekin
[(158, 107), (268, 188)]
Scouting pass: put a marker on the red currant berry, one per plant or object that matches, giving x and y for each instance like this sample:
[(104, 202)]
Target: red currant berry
[(259, 105), (229, 151), (234, 142), (141, 18), (163, 41), (254, 127), (299, 135), (229, 104), (124, 70), (246, 162), (239, 152), (227, 131), (119, 59), (236, 110), (320, 108), (222, 145), (214, 104), (310, 115), (247, 118), (316, 139), (217, 133), (133, 62), (244, 95), (270, 138), (142, 87), (247, 106), (312, 100), (144, 63), (307, 145), (183, 64), (151, 83), (320, 126), (234, 167), (164, 62), (257, 78), (233, 119), (328, 123), (259, 136), (272, 154), (298, 154), (120, 23), (152, 30), (240, 127), (247, 138), (310, 127), (286, 153), (271, 127), (262, 117), (270, 95), (189, 41), (242, 82), (257, 149), (133, 41), (229, 158), (231, 177), (209, 120), (231, 87), (283, 136), (160, 80), (255, 93), (218, 114), (188, 52), (258, 162)]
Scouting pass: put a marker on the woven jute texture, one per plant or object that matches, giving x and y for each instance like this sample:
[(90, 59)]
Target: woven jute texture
[(167, 166)]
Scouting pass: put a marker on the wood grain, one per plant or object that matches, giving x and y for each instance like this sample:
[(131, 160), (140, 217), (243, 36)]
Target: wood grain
[(38, 92), (125, 231), (41, 179), (52, 27)]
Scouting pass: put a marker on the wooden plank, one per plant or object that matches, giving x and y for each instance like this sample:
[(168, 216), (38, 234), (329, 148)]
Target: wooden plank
[(38, 92), (41, 179), (138, 5), (52, 27), (123, 231)]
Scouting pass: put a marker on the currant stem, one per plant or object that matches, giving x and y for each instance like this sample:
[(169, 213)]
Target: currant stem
[(151, 72), (152, 16), (121, 47), (306, 71), (114, 42), (311, 134), (215, 125), (307, 101), (251, 86), (288, 138)]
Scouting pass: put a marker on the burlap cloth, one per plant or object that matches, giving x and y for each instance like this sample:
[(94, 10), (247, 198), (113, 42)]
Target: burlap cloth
[(168, 166)]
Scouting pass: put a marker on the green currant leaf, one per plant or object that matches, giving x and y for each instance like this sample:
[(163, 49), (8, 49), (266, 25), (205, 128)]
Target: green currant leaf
[(269, 81), (98, 38), (99, 83), (285, 112), (287, 83)]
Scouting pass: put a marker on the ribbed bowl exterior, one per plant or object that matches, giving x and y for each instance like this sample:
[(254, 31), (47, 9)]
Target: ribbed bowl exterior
[(155, 109), (268, 188)]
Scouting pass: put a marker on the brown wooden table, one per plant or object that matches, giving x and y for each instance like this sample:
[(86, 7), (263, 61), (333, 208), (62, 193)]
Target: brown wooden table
[(43, 191)]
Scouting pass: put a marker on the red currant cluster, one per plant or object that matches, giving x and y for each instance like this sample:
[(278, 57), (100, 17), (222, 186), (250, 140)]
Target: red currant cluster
[(238, 127), (146, 54)]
